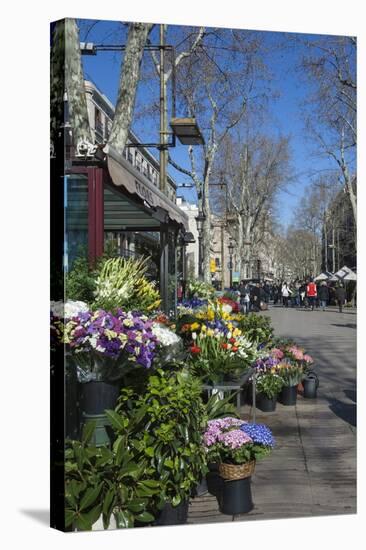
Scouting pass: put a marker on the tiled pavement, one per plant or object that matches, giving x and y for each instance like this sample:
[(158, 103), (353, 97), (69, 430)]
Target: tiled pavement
[(312, 471)]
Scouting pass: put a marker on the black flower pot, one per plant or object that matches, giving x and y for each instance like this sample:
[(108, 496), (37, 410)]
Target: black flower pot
[(288, 395), (214, 482), (266, 404), (236, 497), (97, 396), (310, 384), (201, 488), (173, 515)]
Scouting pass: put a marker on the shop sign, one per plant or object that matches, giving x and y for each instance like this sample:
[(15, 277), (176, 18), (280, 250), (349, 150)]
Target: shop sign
[(236, 276), (145, 193)]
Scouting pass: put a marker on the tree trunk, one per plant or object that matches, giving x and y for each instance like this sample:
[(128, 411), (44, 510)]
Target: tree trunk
[(130, 73), (206, 236), (67, 77), (74, 79)]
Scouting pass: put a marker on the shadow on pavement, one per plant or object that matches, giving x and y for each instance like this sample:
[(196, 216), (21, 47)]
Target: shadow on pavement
[(344, 411), (351, 394), (346, 325)]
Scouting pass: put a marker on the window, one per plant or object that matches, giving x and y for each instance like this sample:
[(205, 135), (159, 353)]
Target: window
[(98, 123), (138, 162)]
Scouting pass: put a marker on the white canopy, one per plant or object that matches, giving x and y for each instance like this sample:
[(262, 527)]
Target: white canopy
[(346, 274), (325, 276)]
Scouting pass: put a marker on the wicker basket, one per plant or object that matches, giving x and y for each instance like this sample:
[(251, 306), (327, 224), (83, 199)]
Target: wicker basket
[(232, 472)]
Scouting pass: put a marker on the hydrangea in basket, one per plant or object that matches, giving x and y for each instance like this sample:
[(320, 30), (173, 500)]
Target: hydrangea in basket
[(236, 445)]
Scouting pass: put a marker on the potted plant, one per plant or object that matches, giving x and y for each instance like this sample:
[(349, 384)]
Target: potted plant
[(107, 488), (220, 352), (268, 386), (291, 374), (236, 445), (168, 433)]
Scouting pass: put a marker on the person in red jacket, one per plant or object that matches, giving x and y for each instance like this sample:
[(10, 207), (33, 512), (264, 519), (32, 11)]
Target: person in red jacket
[(311, 293)]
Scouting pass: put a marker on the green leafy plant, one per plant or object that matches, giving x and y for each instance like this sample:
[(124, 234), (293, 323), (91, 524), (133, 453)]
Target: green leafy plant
[(106, 481), (269, 384), (256, 328), (290, 374), (218, 408), (169, 431)]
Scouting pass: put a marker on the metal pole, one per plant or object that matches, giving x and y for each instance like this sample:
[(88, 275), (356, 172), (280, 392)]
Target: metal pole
[(222, 258), (163, 106), (231, 270), (200, 272), (333, 250), (325, 243)]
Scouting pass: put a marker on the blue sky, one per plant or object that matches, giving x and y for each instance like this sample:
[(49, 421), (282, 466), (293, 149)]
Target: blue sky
[(285, 110)]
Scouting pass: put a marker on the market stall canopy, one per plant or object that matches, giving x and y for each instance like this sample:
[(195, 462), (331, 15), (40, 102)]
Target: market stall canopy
[(325, 276), (346, 274), (123, 174)]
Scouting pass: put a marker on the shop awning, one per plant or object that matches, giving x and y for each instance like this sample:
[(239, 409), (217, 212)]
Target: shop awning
[(123, 174), (346, 274)]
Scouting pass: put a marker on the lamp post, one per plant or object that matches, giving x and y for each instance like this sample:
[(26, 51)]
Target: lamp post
[(231, 250), (187, 239), (200, 221)]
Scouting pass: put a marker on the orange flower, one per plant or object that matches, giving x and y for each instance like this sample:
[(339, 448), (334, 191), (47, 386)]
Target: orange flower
[(234, 348), (195, 349), (224, 345)]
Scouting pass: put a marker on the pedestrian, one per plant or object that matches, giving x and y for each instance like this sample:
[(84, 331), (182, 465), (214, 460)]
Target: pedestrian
[(311, 293), (285, 292), (323, 295), (302, 293), (255, 298), (244, 296), (340, 296)]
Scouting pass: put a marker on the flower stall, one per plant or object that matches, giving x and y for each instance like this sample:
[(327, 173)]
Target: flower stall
[(143, 418)]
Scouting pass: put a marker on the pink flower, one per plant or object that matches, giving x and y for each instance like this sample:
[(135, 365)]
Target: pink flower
[(297, 353), (277, 353), (308, 358), (234, 439)]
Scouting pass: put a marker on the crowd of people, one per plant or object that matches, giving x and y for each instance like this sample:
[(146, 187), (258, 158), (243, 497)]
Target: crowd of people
[(303, 294)]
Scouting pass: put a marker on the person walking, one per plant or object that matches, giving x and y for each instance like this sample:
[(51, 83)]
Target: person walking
[(285, 292), (302, 293), (244, 296), (323, 295), (340, 296), (311, 293)]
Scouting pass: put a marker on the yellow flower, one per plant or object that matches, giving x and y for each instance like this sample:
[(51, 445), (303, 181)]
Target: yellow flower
[(195, 326), (203, 328), (210, 332), (110, 334), (236, 332)]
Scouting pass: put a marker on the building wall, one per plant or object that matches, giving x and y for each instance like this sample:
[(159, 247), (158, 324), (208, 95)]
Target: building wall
[(101, 112)]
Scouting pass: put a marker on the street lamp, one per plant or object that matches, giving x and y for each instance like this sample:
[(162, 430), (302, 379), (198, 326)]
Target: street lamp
[(186, 239), (231, 250), (200, 219)]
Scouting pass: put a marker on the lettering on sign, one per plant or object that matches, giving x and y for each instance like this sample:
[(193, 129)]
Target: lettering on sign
[(144, 192)]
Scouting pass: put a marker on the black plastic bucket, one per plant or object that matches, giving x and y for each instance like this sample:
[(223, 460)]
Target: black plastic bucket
[(266, 404), (310, 384), (288, 395), (97, 396), (173, 515), (236, 497)]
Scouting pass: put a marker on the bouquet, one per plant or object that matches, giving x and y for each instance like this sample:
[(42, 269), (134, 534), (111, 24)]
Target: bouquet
[(234, 441), (103, 345)]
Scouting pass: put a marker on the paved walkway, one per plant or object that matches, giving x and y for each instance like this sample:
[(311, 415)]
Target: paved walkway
[(312, 470)]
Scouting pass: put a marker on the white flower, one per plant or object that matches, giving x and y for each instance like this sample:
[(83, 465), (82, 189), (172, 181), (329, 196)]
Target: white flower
[(194, 335), (70, 309), (165, 336)]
